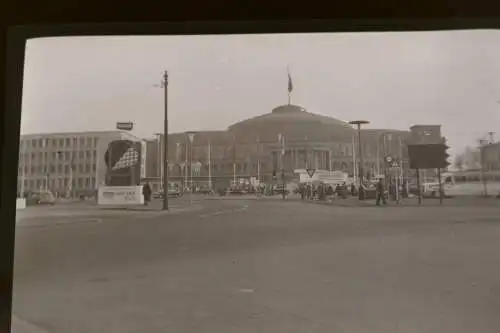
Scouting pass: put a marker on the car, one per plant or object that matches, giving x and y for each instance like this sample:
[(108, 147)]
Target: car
[(41, 198), (174, 192), (157, 195), (205, 190)]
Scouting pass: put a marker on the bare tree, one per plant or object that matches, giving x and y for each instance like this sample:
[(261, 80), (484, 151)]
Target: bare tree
[(459, 162), (471, 158)]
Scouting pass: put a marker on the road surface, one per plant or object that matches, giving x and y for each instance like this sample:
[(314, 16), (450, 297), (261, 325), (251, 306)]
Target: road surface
[(264, 266)]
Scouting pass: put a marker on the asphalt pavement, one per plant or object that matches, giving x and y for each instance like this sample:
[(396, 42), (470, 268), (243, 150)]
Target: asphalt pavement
[(264, 266)]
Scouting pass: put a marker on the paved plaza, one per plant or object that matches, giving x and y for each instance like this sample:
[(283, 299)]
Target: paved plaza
[(264, 266)]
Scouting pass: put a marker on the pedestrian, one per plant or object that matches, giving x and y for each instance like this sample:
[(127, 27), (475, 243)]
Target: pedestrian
[(146, 192), (330, 193), (380, 192), (353, 189)]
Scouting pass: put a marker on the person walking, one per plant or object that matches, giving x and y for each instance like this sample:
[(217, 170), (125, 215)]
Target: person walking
[(381, 192), (353, 190), (146, 192)]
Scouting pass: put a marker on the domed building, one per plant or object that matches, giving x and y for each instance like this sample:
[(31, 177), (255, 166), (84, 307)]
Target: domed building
[(252, 148)]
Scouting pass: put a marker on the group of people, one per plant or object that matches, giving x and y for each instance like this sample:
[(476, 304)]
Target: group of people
[(324, 191)]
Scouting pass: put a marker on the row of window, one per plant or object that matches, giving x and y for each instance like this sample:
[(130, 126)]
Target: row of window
[(59, 184), (341, 150), (44, 169), (60, 142), (252, 167), (476, 178), (58, 156)]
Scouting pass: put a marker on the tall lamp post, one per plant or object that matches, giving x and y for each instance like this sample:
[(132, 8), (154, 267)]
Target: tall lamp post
[(482, 144), (281, 139), (190, 136), (164, 85), (158, 160), (358, 123)]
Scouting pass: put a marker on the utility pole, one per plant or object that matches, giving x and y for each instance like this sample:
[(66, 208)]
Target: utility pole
[(165, 143), (358, 123)]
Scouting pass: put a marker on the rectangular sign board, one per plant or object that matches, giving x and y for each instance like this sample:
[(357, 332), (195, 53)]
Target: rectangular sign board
[(120, 195), (125, 126), (427, 156)]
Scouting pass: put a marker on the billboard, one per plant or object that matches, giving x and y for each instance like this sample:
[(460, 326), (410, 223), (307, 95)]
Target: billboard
[(429, 156), (124, 163)]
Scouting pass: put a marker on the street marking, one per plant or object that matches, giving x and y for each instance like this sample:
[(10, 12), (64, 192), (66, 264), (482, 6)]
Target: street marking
[(59, 223), (246, 290), (220, 212), (211, 214)]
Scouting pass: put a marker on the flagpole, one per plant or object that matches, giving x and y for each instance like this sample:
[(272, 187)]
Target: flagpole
[(354, 159), (234, 161), (23, 165), (290, 84), (209, 166), (258, 159), (186, 163)]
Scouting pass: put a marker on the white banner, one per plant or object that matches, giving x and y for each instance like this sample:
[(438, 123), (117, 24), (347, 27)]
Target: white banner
[(120, 195)]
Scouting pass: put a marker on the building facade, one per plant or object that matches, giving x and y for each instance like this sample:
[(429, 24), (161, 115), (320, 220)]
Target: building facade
[(491, 156), (68, 164), (252, 148)]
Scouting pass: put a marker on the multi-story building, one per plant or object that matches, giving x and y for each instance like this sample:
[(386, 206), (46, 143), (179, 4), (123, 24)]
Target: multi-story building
[(251, 148), (65, 163)]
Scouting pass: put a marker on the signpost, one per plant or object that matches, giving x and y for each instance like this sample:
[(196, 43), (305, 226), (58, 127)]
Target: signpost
[(125, 126)]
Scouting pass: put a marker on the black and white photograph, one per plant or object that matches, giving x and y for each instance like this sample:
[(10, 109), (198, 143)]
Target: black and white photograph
[(304, 182)]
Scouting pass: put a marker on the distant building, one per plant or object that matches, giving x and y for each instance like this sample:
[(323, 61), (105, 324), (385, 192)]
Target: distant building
[(426, 134), (251, 148), (45, 161), (491, 156)]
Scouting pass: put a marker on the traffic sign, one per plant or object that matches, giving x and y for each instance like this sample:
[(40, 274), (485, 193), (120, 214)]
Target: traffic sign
[(311, 172), (125, 126), (388, 159)]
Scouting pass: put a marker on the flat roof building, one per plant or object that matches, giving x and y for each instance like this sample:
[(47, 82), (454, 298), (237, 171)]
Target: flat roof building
[(70, 163)]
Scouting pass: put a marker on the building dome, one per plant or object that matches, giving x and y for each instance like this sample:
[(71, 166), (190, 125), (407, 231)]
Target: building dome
[(295, 122)]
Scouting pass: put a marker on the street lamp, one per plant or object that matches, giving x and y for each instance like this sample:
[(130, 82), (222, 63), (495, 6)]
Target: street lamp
[(281, 139), (159, 170), (164, 84), (482, 144), (190, 136), (358, 123)]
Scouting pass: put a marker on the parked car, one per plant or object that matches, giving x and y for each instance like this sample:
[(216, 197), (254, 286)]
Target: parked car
[(157, 195), (174, 192), (40, 198), (205, 190)]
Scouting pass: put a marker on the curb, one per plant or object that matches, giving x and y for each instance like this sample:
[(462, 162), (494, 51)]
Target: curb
[(20, 326)]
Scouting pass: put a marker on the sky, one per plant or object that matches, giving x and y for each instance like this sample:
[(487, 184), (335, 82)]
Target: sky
[(394, 80)]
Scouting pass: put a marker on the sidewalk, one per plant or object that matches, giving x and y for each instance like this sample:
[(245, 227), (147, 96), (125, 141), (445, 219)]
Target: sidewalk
[(152, 208), (409, 202)]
